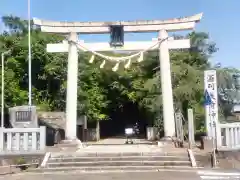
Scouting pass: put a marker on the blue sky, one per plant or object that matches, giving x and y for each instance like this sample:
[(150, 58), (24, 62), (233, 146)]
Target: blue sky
[(221, 17)]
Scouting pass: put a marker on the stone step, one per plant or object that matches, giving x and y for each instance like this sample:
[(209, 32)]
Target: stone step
[(93, 169), (118, 158), (115, 154), (119, 163), (65, 145)]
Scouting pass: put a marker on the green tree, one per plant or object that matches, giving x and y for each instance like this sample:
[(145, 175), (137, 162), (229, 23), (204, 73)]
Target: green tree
[(48, 72), (187, 77)]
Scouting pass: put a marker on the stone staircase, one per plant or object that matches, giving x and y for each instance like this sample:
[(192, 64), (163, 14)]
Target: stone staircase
[(113, 155), (116, 161)]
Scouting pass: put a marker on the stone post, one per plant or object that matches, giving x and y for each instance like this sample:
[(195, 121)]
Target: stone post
[(191, 129)]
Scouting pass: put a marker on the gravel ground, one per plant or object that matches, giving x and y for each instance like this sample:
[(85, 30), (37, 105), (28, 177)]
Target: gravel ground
[(229, 159)]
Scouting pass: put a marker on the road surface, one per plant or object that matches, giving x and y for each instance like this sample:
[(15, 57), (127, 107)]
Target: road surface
[(218, 175), (105, 176), (161, 175)]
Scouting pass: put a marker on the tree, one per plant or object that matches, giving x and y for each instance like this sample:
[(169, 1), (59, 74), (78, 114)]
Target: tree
[(187, 78), (48, 72)]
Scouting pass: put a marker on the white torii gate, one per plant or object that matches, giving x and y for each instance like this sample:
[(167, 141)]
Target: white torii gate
[(73, 28)]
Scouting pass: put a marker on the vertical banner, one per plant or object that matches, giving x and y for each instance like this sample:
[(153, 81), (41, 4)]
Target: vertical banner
[(211, 110)]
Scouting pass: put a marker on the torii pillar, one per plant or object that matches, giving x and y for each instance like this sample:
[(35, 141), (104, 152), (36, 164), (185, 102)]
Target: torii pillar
[(166, 85), (72, 86)]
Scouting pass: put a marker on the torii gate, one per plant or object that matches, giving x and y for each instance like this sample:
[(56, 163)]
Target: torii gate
[(73, 29)]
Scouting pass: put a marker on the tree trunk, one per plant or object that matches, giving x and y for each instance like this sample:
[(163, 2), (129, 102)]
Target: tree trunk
[(97, 130)]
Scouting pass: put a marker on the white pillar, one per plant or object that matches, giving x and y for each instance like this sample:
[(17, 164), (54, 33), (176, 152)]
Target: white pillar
[(72, 78), (166, 84)]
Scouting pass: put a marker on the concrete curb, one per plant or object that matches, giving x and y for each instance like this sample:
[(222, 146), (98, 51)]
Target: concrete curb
[(45, 159), (192, 158)]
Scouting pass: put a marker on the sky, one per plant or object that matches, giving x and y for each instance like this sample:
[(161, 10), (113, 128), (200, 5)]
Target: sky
[(221, 18)]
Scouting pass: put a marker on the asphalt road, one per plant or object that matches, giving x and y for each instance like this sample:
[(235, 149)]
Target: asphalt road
[(162, 175), (106, 176)]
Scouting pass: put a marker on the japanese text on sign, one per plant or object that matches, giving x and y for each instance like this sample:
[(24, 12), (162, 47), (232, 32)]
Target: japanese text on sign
[(210, 85)]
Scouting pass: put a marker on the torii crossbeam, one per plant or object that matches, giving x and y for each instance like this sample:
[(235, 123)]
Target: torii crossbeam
[(163, 27)]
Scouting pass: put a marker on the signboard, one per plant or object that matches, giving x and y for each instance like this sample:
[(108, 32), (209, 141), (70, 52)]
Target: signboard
[(129, 131), (211, 101), (23, 117)]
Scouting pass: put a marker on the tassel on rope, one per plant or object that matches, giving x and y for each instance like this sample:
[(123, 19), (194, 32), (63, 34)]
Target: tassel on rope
[(92, 59), (102, 65), (127, 65), (115, 68)]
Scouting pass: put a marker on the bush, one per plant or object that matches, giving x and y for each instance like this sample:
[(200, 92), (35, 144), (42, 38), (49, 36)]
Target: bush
[(21, 163)]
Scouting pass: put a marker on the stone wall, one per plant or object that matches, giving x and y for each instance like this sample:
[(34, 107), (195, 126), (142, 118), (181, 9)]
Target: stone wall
[(55, 119)]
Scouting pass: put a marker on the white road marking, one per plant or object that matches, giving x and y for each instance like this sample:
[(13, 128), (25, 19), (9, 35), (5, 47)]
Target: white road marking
[(211, 175), (218, 173), (220, 177)]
